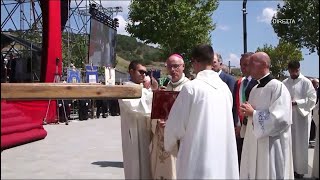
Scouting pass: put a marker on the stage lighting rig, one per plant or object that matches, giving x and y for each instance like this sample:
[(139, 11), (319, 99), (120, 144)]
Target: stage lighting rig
[(98, 14)]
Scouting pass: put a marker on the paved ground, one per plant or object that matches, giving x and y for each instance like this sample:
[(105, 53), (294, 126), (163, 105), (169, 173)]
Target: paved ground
[(82, 150)]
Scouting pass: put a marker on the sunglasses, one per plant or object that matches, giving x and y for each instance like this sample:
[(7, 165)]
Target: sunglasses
[(142, 72)]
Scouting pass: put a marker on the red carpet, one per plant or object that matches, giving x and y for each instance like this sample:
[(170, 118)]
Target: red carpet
[(19, 127)]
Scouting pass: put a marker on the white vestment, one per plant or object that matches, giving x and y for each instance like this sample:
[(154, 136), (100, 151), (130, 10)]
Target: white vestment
[(266, 152), (301, 91), (201, 118), (136, 132), (315, 167), (163, 163)]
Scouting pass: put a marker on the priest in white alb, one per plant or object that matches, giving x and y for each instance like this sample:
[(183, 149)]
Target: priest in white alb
[(163, 164), (267, 150), (201, 119), (303, 96), (136, 126)]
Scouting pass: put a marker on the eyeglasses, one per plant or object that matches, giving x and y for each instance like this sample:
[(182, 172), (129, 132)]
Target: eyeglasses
[(142, 72), (174, 66)]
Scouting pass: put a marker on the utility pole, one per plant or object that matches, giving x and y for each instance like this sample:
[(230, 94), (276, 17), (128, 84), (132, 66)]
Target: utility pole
[(229, 67), (244, 15)]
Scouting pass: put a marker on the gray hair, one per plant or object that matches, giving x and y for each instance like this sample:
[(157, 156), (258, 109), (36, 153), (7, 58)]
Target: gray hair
[(219, 57)]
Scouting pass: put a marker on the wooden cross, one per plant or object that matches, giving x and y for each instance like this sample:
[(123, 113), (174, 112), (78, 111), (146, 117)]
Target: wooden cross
[(33, 91)]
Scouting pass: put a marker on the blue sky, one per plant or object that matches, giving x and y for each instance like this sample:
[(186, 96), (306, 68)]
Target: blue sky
[(227, 38)]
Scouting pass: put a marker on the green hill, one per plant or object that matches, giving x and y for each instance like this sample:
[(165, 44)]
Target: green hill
[(130, 49)]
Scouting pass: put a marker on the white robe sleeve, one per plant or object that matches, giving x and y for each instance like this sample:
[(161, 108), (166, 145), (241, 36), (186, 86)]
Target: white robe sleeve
[(306, 105), (177, 120), (141, 105), (272, 121)]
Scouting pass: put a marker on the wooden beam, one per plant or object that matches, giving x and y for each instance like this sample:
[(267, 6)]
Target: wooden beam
[(68, 91)]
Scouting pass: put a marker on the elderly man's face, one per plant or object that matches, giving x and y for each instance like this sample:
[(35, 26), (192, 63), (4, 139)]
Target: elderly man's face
[(175, 67), (255, 68), (216, 65)]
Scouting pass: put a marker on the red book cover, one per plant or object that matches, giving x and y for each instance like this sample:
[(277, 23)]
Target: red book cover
[(161, 103)]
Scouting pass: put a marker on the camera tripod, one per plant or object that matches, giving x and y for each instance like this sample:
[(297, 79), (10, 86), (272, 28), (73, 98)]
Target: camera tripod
[(56, 79)]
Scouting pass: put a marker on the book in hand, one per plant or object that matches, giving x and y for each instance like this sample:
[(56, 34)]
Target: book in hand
[(161, 103)]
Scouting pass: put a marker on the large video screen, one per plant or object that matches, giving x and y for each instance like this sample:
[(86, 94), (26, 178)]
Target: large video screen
[(102, 44)]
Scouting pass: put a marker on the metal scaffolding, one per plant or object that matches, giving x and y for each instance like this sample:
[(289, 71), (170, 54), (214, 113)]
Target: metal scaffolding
[(23, 18)]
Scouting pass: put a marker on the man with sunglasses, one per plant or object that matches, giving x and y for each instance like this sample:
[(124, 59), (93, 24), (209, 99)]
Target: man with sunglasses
[(163, 164), (135, 126), (200, 120)]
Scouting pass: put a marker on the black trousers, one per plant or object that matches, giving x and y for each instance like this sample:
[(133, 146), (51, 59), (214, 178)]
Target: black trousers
[(83, 113), (312, 131), (239, 148)]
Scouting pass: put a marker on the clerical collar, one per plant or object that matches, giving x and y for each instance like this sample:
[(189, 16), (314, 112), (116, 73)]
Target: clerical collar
[(175, 84), (264, 80)]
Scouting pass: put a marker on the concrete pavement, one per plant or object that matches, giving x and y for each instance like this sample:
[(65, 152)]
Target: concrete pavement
[(81, 150)]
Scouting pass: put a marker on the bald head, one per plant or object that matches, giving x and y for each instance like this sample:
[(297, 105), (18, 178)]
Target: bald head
[(262, 58), (259, 64), (175, 58), (175, 67)]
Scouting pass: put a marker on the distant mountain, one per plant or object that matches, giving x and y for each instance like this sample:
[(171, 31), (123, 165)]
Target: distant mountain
[(130, 49)]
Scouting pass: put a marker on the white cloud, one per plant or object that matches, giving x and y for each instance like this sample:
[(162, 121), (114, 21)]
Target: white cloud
[(234, 60), (266, 15), (122, 25), (223, 27), (150, 44)]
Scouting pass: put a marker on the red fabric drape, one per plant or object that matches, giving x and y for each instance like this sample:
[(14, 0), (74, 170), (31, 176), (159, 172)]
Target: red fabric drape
[(238, 99), (51, 45), (33, 110), (51, 42)]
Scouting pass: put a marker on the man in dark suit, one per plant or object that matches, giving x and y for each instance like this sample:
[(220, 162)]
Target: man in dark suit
[(64, 110), (241, 94), (83, 109), (217, 67)]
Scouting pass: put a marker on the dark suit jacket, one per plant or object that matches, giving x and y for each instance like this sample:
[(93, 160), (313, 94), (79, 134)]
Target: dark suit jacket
[(235, 112), (228, 79)]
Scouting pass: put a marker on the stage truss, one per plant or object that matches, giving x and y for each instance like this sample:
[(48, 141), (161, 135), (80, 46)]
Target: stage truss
[(23, 18)]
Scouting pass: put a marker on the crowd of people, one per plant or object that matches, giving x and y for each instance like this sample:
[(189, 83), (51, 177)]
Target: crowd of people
[(220, 127), (86, 108)]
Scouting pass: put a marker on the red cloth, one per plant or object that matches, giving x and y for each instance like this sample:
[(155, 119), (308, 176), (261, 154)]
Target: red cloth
[(51, 39), (238, 100), (21, 122), (36, 110)]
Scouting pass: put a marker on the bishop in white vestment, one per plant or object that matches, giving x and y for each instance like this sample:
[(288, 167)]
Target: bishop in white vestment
[(163, 163), (266, 152), (304, 95)]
